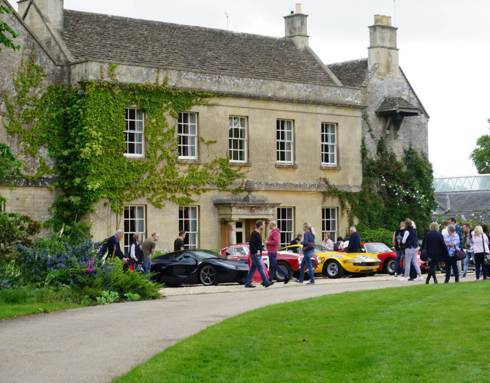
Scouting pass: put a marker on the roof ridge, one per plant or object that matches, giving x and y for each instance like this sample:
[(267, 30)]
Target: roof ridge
[(176, 24), (348, 61)]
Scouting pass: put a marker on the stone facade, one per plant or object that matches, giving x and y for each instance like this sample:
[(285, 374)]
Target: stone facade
[(302, 90)]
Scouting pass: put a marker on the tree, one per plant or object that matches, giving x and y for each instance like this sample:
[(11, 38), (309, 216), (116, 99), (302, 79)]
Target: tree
[(481, 154), (7, 34)]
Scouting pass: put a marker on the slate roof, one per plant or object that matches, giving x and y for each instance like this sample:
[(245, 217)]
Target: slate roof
[(98, 37), (398, 105), (467, 204), (351, 73)]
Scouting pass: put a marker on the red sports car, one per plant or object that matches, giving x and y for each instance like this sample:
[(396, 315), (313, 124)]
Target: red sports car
[(388, 257), (288, 261)]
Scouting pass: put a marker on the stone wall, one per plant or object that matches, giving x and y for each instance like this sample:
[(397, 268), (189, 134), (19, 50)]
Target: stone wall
[(30, 48), (32, 201), (413, 131), (307, 208)]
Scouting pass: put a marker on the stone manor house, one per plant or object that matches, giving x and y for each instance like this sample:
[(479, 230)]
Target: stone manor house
[(280, 113)]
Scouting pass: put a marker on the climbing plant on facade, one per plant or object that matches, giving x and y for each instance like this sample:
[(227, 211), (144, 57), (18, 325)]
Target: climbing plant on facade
[(82, 130), (7, 33), (392, 190)]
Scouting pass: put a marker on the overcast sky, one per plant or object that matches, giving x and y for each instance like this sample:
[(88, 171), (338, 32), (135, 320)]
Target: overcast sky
[(444, 50)]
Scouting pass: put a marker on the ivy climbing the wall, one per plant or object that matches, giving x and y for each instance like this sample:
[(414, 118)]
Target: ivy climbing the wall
[(392, 190), (82, 128)]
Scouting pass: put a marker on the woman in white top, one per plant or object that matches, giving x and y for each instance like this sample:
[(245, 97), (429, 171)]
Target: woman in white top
[(327, 242), (480, 248)]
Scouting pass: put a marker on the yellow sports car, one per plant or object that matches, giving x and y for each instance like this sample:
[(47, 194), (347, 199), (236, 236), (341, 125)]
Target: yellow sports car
[(334, 264)]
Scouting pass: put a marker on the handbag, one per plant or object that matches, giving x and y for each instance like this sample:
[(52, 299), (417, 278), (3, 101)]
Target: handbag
[(486, 256), (459, 254)]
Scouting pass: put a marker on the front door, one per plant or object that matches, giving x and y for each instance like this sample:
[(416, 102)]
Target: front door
[(240, 232)]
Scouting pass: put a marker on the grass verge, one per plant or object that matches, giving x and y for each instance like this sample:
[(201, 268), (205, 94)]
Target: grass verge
[(27, 300), (419, 334)]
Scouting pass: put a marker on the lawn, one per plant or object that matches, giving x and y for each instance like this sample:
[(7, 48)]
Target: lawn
[(29, 300), (9, 310), (415, 334)]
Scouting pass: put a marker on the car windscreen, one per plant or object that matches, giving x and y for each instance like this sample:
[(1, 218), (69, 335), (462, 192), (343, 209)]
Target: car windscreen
[(376, 248)]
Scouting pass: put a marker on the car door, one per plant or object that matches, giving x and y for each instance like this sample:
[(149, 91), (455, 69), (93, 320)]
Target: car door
[(184, 267)]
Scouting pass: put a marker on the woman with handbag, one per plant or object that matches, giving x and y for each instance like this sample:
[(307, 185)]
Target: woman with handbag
[(453, 247), (480, 248), (434, 250)]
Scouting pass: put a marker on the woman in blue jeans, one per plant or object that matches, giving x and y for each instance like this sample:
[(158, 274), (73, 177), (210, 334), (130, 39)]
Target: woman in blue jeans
[(308, 253)]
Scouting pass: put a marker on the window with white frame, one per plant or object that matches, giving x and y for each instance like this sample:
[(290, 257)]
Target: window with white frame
[(134, 223), (187, 135), (329, 144), (189, 222), (285, 223), (285, 141), (237, 139), (134, 132), (329, 222)]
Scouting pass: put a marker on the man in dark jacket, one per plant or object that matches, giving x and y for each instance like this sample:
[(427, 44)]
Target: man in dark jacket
[(256, 247), (111, 248), (434, 250), (354, 241)]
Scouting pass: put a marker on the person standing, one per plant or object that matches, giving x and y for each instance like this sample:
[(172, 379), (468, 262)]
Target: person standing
[(480, 247), (308, 253), (296, 241), (148, 248), (272, 244), (453, 244), (135, 253), (255, 245), (179, 243), (468, 248), (435, 249), (354, 241), (399, 247), (111, 248), (411, 242)]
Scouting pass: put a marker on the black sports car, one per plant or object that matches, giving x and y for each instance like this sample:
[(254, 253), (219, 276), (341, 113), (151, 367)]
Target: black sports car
[(196, 266)]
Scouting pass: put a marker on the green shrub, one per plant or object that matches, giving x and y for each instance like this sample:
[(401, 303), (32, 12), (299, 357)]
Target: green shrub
[(15, 229), (107, 297), (132, 297), (376, 235)]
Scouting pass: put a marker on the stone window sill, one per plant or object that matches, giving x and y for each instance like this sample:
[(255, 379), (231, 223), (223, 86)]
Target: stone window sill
[(329, 167), (240, 164), (286, 166), (188, 161)]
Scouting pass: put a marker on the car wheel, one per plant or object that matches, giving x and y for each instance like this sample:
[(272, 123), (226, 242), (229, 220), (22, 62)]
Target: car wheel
[(208, 276), (390, 266), (332, 269), (285, 268)]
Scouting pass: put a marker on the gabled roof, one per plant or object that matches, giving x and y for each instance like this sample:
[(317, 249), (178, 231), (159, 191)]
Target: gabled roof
[(98, 37), (351, 73), (397, 105), (354, 73)]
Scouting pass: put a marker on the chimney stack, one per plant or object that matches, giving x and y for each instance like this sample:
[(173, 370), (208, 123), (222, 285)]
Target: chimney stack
[(383, 51), (51, 10), (296, 27)]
